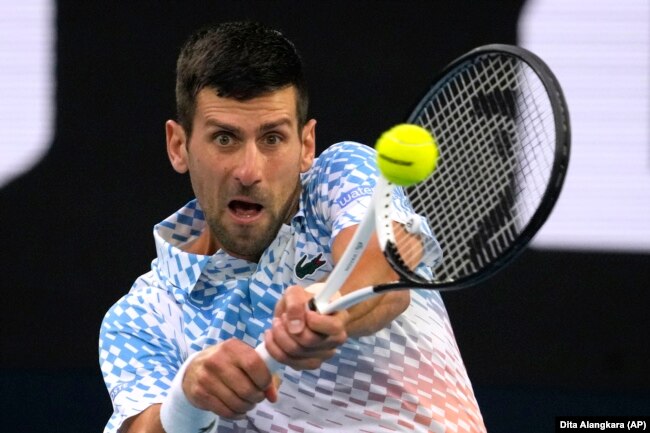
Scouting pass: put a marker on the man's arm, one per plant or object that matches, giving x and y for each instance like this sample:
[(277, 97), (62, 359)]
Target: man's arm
[(374, 314)]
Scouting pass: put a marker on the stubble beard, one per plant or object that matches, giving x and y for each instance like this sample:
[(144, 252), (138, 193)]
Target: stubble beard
[(250, 242)]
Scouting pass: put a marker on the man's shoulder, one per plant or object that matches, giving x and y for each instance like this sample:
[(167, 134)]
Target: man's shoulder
[(340, 159), (345, 173), (147, 296), (347, 149)]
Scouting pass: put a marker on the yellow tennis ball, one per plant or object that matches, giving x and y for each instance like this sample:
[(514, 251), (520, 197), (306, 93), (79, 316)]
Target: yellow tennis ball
[(406, 154)]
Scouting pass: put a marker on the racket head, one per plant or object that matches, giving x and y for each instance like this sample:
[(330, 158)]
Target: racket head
[(502, 126)]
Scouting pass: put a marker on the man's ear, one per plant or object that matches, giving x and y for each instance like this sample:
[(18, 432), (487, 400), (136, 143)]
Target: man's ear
[(176, 146), (308, 145)]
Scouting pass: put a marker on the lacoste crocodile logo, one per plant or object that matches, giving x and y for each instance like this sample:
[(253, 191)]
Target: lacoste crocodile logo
[(303, 269)]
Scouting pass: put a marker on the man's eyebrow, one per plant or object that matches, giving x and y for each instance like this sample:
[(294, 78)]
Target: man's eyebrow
[(273, 125), (236, 130), (224, 126)]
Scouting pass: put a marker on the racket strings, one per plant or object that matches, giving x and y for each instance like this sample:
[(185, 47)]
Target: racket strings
[(410, 249), (494, 125)]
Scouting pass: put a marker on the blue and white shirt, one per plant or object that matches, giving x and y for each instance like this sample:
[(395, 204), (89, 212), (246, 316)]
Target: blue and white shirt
[(409, 376)]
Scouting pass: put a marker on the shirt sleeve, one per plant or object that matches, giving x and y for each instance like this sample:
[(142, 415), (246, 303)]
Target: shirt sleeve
[(345, 177), (342, 181), (140, 351)]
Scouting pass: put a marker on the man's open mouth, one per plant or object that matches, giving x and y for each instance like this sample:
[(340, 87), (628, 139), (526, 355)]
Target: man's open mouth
[(244, 209)]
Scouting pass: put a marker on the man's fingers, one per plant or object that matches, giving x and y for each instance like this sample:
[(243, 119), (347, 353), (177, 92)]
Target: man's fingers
[(297, 359), (228, 379), (271, 392), (295, 309)]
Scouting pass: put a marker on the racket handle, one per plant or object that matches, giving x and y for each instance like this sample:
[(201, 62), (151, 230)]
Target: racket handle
[(347, 301), (270, 362)]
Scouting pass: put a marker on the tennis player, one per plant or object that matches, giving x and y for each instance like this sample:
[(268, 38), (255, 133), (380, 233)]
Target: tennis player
[(269, 220)]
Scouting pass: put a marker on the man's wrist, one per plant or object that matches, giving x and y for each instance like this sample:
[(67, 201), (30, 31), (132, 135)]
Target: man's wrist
[(178, 415)]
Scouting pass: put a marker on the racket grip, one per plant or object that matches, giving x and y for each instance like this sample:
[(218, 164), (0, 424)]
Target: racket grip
[(270, 362), (347, 301)]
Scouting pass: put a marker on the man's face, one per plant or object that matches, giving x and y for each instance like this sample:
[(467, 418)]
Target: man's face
[(245, 160)]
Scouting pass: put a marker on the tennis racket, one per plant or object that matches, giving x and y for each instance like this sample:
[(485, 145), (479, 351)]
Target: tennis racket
[(502, 127)]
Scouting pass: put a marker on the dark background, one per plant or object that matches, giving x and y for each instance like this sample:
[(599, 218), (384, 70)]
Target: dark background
[(558, 333)]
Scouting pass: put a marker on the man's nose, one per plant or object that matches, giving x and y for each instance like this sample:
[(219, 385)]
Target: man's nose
[(249, 168)]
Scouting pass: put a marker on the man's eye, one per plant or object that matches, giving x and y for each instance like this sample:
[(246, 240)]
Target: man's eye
[(223, 139), (273, 139)]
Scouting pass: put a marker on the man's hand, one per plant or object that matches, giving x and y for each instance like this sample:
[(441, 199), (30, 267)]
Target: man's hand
[(228, 379), (300, 338)]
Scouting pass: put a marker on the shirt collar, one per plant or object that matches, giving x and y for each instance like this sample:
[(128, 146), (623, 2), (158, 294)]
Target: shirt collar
[(175, 267)]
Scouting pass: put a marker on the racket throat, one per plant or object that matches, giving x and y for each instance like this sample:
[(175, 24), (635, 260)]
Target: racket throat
[(398, 264)]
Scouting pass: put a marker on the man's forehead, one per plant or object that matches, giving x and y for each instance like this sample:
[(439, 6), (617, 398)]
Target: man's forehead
[(287, 94), (282, 102)]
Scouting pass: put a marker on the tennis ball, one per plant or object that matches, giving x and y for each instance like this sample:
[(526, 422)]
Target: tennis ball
[(406, 154)]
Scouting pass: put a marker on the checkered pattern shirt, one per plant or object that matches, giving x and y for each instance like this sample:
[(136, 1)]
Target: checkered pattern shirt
[(408, 377)]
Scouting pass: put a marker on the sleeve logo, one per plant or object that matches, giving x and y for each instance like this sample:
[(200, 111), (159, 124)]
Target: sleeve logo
[(353, 195)]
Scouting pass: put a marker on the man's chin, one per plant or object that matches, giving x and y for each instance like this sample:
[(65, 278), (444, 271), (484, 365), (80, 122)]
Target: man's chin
[(246, 241), (248, 245)]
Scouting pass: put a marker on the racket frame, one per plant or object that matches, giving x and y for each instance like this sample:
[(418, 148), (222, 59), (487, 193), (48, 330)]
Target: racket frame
[(560, 162)]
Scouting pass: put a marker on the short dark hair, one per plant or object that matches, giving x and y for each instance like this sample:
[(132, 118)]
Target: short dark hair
[(240, 60)]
